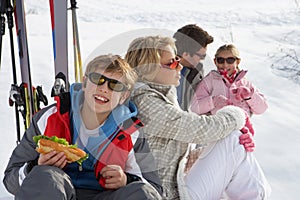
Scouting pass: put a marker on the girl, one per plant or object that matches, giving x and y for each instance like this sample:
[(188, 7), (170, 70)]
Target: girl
[(227, 86)]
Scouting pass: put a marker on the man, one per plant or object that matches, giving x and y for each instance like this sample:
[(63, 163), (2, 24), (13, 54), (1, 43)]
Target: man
[(98, 118), (191, 43)]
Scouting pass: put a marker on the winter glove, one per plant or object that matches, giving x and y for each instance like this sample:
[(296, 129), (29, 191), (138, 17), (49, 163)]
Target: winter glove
[(246, 139), (248, 124), (242, 93), (220, 101)]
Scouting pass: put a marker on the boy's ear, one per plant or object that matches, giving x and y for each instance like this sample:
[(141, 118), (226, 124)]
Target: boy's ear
[(124, 97)]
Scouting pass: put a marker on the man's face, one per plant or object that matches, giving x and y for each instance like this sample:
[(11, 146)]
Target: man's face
[(192, 60)]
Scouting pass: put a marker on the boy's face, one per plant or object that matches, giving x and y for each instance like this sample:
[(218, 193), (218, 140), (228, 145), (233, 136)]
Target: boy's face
[(100, 99)]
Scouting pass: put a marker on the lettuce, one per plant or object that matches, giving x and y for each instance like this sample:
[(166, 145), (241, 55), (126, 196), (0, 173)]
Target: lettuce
[(54, 139)]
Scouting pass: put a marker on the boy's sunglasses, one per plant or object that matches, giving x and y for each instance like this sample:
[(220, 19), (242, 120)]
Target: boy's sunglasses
[(229, 60), (173, 65), (113, 84)]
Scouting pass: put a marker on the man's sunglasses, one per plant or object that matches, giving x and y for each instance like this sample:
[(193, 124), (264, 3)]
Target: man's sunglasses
[(113, 84), (173, 65), (229, 60)]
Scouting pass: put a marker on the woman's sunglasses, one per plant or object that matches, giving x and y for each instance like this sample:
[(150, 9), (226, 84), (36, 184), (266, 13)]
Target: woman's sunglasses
[(229, 60), (113, 84), (173, 65)]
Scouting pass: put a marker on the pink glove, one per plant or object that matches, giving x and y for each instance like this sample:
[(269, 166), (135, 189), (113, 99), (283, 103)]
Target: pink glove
[(242, 93), (220, 101), (247, 140), (248, 125)]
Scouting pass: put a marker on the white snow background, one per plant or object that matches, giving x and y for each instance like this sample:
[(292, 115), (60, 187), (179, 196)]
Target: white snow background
[(266, 32)]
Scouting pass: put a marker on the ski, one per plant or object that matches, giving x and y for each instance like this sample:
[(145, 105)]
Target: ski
[(26, 87), (25, 97), (58, 12)]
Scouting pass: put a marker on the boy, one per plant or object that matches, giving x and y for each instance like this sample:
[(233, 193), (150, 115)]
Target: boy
[(93, 115)]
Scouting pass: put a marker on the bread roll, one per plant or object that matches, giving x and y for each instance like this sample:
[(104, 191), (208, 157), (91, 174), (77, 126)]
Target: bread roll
[(72, 154)]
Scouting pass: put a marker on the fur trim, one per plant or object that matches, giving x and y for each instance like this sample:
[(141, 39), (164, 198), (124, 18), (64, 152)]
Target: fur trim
[(237, 113)]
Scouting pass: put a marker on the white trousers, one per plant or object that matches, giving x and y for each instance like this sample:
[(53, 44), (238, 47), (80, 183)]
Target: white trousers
[(225, 171)]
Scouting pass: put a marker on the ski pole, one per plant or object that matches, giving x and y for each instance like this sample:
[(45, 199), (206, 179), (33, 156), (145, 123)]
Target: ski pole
[(76, 46), (10, 27), (2, 24)]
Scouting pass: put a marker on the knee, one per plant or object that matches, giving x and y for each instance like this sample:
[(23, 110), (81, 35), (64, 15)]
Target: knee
[(233, 138), (45, 170), (46, 178), (140, 190)]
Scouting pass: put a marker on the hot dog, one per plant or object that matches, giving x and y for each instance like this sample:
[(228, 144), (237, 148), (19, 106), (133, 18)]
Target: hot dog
[(46, 144)]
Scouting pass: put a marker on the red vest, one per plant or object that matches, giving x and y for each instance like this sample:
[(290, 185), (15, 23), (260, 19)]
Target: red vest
[(115, 153)]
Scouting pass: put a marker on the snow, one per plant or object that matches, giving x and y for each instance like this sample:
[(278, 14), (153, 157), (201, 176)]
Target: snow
[(266, 33)]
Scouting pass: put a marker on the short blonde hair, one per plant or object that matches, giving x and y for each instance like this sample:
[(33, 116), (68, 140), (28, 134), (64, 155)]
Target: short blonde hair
[(144, 54), (228, 47), (114, 64)]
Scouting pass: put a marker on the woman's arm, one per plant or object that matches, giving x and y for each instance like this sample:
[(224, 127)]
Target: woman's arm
[(164, 119)]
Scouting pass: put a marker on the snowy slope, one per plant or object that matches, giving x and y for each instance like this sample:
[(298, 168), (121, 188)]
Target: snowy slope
[(266, 32)]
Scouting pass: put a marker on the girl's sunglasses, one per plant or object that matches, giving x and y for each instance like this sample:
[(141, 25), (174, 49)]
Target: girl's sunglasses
[(229, 60), (173, 65), (113, 84)]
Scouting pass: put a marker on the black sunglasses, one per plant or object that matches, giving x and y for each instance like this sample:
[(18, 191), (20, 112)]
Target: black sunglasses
[(229, 60), (113, 84)]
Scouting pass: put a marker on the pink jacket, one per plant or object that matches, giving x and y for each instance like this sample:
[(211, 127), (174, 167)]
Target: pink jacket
[(215, 84)]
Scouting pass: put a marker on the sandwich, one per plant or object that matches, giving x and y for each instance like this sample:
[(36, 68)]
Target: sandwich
[(47, 144)]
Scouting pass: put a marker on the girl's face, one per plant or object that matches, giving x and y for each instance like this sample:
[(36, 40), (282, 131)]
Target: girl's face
[(165, 74), (226, 61)]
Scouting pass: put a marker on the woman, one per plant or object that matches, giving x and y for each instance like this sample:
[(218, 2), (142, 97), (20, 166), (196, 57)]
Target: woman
[(170, 131)]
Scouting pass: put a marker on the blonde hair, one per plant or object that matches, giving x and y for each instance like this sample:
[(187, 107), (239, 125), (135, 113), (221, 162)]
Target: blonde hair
[(228, 47), (144, 54), (114, 64)]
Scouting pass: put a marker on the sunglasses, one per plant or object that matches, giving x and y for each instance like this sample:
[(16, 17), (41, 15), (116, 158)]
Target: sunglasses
[(113, 84), (201, 56), (173, 65), (229, 60)]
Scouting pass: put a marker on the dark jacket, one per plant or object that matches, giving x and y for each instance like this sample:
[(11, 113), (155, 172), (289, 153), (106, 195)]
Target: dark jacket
[(190, 78)]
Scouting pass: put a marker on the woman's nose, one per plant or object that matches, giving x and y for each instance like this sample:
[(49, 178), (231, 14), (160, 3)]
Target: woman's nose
[(179, 67)]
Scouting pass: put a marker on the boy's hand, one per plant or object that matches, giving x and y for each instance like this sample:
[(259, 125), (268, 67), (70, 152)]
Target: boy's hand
[(114, 176), (53, 158)]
